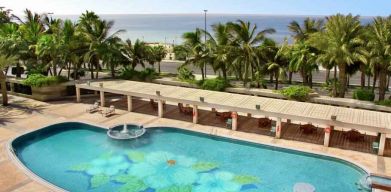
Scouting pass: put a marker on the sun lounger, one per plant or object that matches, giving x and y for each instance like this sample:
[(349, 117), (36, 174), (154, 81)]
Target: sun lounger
[(185, 110), (93, 108), (354, 136), (223, 115), (229, 123), (109, 111), (264, 122), (308, 128)]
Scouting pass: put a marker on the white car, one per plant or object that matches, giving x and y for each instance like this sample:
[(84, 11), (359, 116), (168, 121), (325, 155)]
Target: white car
[(11, 72)]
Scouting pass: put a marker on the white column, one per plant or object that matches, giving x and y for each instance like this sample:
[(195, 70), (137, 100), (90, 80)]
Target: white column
[(234, 121), (278, 128), (160, 108), (327, 134), (195, 114), (102, 98), (78, 99), (382, 144), (129, 103)]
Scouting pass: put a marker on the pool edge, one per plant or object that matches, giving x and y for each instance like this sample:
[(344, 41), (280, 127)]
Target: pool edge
[(214, 132)]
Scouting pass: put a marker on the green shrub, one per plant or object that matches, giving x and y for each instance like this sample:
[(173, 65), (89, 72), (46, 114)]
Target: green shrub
[(184, 74), (329, 86), (148, 74), (363, 94), (296, 92), (39, 80), (217, 84), (386, 102), (131, 74)]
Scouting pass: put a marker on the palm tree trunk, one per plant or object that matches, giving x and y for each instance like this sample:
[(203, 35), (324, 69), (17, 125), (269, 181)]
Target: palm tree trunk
[(3, 88), (310, 79), (382, 84), (342, 80), (388, 82), (327, 75), (224, 71), (271, 77), (362, 69), (335, 82), (202, 73), (290, 74), (276, 87), (374, 81), (158, 64), (112, 69), (369, 81)]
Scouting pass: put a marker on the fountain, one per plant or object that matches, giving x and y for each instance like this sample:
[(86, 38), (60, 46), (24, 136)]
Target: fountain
[(126, 131)]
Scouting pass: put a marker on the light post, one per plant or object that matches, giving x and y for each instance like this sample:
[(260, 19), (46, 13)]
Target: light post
[(205, 11)]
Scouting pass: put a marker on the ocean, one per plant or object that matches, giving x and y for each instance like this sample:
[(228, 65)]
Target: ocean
[(169, 28)]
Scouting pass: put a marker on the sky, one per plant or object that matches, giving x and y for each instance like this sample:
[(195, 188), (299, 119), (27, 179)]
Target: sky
[(264, 7)]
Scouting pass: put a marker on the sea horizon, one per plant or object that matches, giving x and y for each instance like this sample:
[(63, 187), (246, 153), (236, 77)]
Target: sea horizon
[(169, 27)]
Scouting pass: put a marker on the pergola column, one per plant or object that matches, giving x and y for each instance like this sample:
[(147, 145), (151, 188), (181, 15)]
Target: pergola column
[(382, 144), (278, 127), (78, 99), (102, 98), (234, 116), (160, 108), (327, 135), (130, 106), (195, 114)]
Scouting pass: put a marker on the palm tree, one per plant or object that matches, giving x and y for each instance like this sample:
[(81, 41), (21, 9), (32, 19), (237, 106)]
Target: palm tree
[(98, 35), (302, 33), (378, 46), (196, 50), (303, 59), (340, 44), (220, 46), (245, 40), (5, 61), (135, 53), (161, 53)]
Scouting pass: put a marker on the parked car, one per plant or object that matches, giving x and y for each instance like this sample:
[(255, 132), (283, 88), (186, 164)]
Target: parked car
[(11, 71)]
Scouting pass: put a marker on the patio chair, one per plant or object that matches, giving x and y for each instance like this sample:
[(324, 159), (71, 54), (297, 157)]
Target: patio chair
[(264, 122), (224, 116), (109, 111), (93, 108), (307, 129), (273, 130), (153, 104), (375, 146), (229, 123), (185, 110), (354, 136)]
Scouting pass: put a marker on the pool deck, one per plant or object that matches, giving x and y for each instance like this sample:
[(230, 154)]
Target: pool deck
[(25, 115)]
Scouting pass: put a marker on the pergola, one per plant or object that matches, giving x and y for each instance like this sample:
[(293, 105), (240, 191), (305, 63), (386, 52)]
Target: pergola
[(329, 116)]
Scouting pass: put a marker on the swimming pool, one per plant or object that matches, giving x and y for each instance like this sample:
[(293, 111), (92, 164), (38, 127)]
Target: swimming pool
[(80, 157)]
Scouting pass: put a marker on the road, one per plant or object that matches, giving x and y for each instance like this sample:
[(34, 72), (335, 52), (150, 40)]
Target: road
[(319, 76)]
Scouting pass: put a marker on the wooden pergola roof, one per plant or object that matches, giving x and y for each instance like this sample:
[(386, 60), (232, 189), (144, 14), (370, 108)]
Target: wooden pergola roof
[(308, 112)]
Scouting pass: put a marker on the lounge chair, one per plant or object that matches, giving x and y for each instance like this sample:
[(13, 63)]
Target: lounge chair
[(93, 108), (154, 105), (264, 122), (308, 129), (109, 111), (375, 146), (273, 130), (224, 115), (354, 136), (185, 110), (229, 123)]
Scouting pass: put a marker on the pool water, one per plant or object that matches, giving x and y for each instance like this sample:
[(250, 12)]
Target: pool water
[(80, 157)]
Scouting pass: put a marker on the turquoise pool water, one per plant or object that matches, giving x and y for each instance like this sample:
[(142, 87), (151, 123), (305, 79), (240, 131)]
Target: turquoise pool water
[(80, 157)]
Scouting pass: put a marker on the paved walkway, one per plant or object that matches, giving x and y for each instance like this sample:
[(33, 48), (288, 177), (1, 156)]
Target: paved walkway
[(25, 115)]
